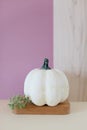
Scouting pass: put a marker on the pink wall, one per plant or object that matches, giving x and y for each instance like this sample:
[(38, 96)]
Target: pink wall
[(25, 39)]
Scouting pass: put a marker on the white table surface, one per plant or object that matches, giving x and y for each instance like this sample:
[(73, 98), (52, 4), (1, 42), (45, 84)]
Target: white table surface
[(76, 120)]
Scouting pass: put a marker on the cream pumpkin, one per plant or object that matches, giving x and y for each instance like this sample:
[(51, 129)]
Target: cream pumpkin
[(46, 86)]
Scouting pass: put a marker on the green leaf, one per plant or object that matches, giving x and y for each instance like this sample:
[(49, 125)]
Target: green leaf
[(18, 102)]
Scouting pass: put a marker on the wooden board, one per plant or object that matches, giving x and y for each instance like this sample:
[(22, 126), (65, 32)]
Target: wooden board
[(60, 109)]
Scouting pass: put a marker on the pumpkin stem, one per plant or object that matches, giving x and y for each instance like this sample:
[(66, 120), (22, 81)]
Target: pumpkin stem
[(45, 64)]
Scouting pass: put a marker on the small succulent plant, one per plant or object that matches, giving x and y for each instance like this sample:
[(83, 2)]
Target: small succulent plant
[(18, 102)]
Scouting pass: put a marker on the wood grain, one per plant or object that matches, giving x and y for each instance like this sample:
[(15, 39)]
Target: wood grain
[(60, 109), (70, 44)]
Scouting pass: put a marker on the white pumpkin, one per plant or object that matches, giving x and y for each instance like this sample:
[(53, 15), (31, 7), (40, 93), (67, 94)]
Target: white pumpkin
[(46, 86)]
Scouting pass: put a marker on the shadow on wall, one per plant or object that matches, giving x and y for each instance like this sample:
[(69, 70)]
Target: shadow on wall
[(78, 87)]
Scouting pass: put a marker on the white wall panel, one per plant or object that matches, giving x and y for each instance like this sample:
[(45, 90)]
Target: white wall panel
[(70, 44)]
